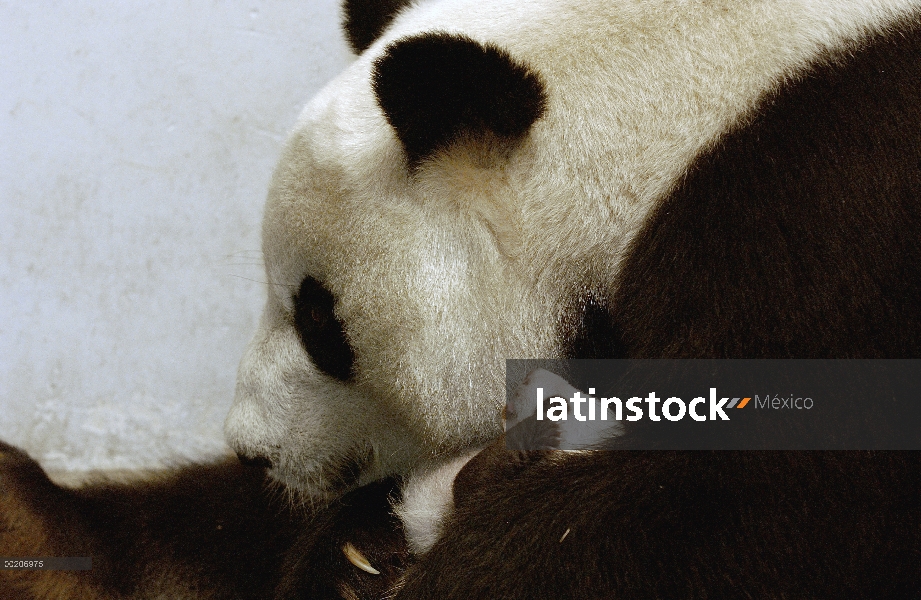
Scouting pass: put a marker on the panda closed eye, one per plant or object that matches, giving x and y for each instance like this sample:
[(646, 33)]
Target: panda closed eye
[(321, 333)]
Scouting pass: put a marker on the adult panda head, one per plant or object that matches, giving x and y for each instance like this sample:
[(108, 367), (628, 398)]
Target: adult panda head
[(468, 191)]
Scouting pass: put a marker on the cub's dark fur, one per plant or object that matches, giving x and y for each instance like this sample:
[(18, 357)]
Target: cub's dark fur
[(219, 531)]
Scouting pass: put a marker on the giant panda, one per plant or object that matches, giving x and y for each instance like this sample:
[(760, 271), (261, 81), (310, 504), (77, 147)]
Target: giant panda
[(591, 178)]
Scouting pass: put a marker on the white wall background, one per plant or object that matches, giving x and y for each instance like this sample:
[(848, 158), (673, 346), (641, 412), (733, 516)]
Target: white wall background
[(136, 145)]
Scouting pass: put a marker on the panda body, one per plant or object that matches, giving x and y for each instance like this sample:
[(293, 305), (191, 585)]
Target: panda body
[(446, 245), (576, 178), (719, 180)]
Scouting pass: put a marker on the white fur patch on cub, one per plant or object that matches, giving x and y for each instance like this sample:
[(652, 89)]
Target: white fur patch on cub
[(427, 502), (573, 434)]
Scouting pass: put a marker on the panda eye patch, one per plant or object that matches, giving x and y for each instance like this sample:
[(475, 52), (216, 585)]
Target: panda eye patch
[(321, 332)]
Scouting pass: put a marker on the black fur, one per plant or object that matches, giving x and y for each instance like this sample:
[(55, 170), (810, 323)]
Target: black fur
[(320, 331), (218, 531), (259, 462), (209, 527), (365, 20), (796, 236), (679, 525), (316, 566), (435, 88)]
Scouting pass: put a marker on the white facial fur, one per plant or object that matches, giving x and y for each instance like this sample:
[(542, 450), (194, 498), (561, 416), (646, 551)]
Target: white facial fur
[(482, 255)]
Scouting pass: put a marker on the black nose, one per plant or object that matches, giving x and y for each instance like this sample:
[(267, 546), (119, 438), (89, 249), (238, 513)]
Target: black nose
[(254, 461)]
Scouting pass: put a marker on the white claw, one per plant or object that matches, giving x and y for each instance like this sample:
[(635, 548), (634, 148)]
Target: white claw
[(358, 559)]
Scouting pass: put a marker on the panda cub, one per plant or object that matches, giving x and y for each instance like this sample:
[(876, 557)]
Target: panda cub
[(583, 179)]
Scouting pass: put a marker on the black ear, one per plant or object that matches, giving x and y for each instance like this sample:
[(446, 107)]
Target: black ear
[(365, 20), (436, 87)]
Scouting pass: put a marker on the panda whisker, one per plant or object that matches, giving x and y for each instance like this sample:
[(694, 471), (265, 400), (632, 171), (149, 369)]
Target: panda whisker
[(250, 279), (260, 281)]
